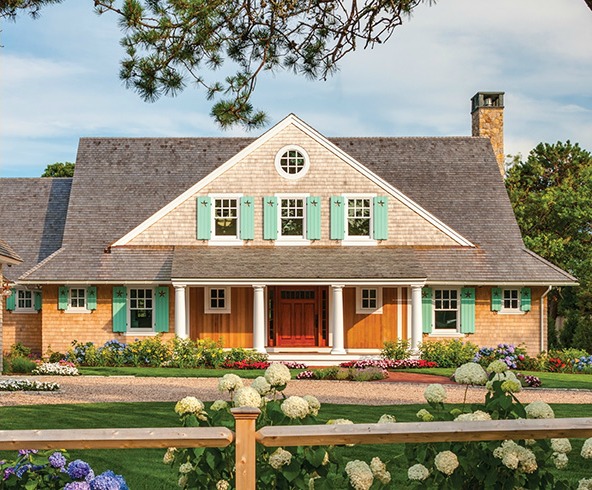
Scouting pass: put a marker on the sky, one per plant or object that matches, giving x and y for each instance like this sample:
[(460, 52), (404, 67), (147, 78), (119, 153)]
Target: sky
[(59, 82)]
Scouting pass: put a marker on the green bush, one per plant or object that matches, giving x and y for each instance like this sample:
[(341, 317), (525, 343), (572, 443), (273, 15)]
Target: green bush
[(396, 350), (184, 354), (19, 350), (210, 352), (582, 338), (366, 374), (149, 351), (238, 354), (20, 365), (448, 353), (327, 373)]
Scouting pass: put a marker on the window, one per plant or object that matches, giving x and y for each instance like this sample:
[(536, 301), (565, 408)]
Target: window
[(358, 217), (292, 212), (511, 299), (77, 298), (141, 309), (24, 300), (368, 300), (446, 308), (225, 217), (217, 300), (292, 162)]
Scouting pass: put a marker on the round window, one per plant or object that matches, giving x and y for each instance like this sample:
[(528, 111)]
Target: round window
[(292, 162)]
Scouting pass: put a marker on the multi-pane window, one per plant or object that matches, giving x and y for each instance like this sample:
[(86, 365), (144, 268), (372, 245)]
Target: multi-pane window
[(359, 212), (77, 298), (511, 299), (141, 307), (24, 299), (226, 217), (217, 300), (446, 308), (292, 217), (292, 162), (369, 298)]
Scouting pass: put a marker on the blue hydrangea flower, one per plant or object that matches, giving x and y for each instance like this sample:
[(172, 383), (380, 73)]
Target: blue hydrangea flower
[(22, 470), (77, 485), (57, 460), (78, 469), (105, 481)]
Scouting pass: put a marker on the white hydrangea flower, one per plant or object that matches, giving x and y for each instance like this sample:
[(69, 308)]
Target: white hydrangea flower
[(498, 366), (561, 445), (424, 415), (585, 484), (295, 407), (280, 458), (222, 485), (470, 373), (587, 449), (230, 382), (189, 404), (539, 410), (418, 472), (247, 397), (186, 468), (560, 460), (219, 405), (510, 382), (314, 405), (261, 385), (435, 393), (360, 475), (385, 418), (476, 416), (446, 462), (277, 374), (517, 457), (169, 456), (183, 481), (379, 471), (339, 422)]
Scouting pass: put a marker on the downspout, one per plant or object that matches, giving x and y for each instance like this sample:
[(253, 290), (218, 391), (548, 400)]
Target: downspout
[(542, 329)]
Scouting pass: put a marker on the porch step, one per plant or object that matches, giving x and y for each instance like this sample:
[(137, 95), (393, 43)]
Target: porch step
[(324, 358)]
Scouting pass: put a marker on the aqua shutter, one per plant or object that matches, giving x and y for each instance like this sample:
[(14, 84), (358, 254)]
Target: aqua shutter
[(63, 294), (37, 301), (162, 309), (204, 218), (119, 309), (91, 298), (337, 218), (313, 218), (11, 301), (496, 299), (270, 222), (426, 310), (525, 299), (380, 218), (467, 310), (247, 218)]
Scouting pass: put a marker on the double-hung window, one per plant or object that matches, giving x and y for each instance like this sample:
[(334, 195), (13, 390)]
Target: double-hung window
[(292, 217), (141, 309), (225, 217), (446, 311), (359, 217), (24, 300)]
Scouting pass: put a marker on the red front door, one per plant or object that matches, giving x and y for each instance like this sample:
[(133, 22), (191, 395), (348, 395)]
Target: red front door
[(296, 317)]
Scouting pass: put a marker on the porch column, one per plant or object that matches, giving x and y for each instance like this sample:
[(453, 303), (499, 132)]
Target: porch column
[(416, 320), (180, 312), (337, 319), (259, 318)]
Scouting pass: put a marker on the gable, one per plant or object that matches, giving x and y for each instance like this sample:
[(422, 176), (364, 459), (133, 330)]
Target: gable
[(331, 173)]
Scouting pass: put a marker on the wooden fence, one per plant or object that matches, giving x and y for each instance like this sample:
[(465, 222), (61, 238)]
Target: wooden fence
[(246, 437)]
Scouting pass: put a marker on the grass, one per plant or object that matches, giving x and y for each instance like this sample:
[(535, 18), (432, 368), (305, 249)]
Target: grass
[(158, 372), (144, 470)]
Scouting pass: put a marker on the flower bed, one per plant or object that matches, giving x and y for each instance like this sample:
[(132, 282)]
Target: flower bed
[(60, 368), (389, 363), (26, 385)]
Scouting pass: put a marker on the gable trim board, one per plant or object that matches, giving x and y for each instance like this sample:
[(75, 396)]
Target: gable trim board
[(295, 121)]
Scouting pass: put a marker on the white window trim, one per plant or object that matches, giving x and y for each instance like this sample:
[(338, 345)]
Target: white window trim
[(291, 240), (511, 311), (78, 309), (208, 310), (368, 311), (16, 302), (278, 163), (225, 240), (358, 240), (129, 329), (446, 332)]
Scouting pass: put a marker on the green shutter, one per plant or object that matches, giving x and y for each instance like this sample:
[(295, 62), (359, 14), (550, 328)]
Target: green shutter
[(467, 310), (313, 218), (119, 309), (270, 225), (63, 295), (337, 218), (11, 300), (525, 299), (426, 310), (162, 309), (496, 299), (247, 218), (204, 218), (37, 301), (380, 218), (91, 298)]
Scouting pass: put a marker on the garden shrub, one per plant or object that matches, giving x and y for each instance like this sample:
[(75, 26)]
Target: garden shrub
[(239, 354), (20, 365), (19, 350), (448, 353), (149, 352), (567, 360), (85, 354), (56, 357), (396, 350), (114, 353), (582, 338), (511, 355), (184, 353), (368, 374), (210, 352)]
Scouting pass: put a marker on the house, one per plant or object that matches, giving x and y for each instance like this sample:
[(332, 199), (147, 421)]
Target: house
[(288, 243), (7, 257)]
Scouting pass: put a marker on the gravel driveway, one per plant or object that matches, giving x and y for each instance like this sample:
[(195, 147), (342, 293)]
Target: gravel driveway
[(91, 389)]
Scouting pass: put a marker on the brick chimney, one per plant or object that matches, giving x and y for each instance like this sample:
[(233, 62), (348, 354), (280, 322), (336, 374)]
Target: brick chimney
[(487, 112)]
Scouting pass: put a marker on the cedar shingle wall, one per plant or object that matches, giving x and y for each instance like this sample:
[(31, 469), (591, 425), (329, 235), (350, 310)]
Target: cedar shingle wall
[(21, 327)]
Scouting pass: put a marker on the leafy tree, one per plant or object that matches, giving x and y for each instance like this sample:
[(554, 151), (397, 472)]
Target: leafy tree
[(59, 169), (551, 193), (9, 9)]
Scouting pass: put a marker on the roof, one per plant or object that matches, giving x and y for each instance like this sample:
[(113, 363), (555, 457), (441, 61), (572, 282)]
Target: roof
[(7, 254)]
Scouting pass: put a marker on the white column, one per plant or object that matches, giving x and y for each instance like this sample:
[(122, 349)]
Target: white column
[(337, 319), (416, 331), (259, 318), (180, 312)]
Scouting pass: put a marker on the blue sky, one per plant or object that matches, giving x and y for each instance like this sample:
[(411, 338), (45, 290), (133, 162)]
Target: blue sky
[(59, 82)]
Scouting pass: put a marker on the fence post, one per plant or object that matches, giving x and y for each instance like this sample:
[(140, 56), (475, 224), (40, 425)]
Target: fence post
[(246, 454)]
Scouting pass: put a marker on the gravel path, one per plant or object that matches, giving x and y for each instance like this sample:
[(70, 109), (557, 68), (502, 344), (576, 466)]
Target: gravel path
[(92, 389)]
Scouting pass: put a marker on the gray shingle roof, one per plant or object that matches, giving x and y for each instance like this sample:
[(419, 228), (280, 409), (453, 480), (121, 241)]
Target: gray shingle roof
[(32, 217), (6, 252)]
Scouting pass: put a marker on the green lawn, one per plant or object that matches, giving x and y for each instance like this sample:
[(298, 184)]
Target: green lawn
[(158, 372), (144, 470)]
